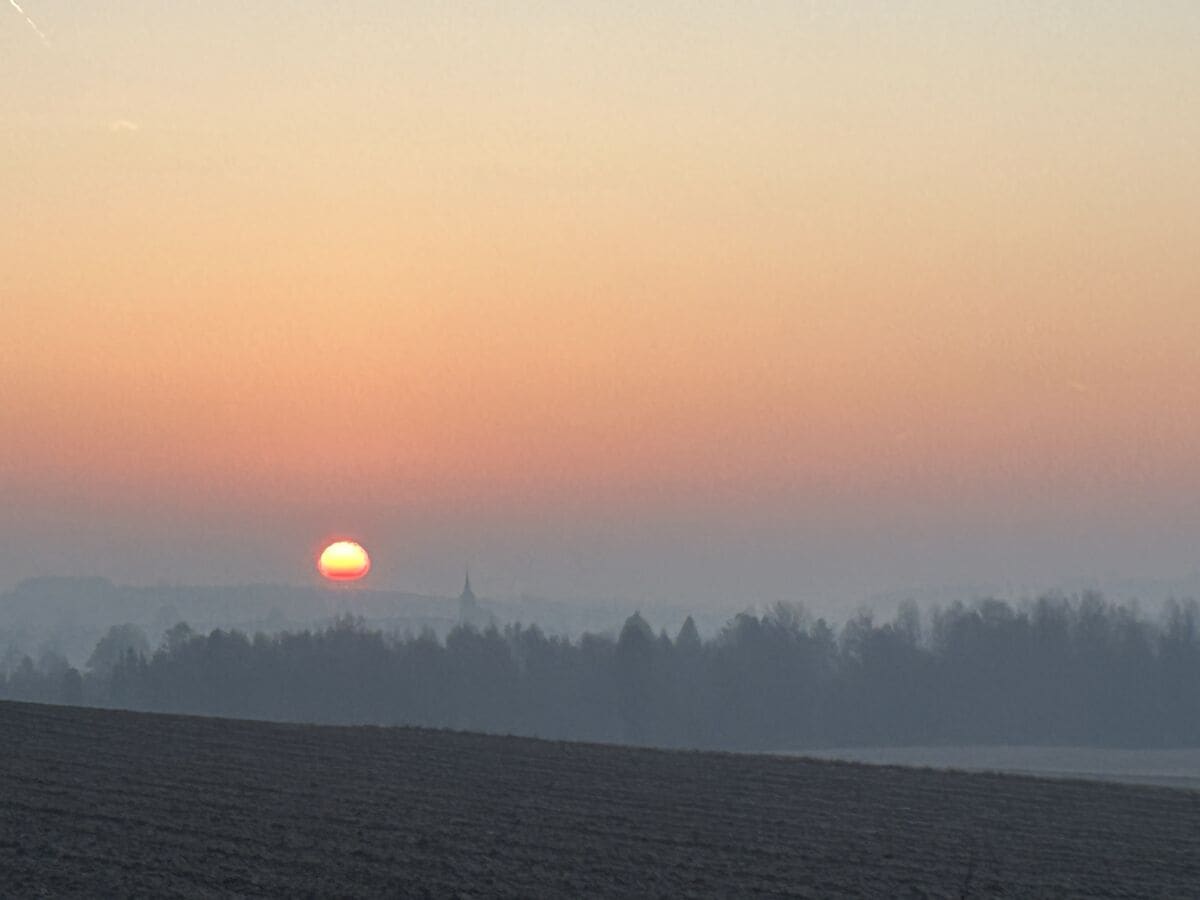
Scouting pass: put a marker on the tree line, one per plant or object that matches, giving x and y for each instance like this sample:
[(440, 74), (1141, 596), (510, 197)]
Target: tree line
[(1058, 670)]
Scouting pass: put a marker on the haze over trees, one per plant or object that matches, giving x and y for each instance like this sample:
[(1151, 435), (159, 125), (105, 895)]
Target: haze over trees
[(1059, 670), (70, 614)]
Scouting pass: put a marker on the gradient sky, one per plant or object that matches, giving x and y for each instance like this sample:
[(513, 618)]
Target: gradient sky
[(715, 302)]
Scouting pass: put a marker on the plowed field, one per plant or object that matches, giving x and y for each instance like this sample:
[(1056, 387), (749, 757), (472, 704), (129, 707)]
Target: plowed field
[(103, 803)]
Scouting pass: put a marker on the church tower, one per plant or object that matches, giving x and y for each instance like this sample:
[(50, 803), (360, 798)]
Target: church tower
[(468, 605)]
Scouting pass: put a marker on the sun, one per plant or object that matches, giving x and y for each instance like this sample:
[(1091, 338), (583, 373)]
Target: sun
[(344, 561)]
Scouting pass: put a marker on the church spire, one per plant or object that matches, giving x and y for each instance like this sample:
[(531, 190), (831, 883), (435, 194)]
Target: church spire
[(469, 612), (467, 595)]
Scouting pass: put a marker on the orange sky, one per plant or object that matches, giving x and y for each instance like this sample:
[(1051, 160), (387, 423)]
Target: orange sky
[(433, 270)]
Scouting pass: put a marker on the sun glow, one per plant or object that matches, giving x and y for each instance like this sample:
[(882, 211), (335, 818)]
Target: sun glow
[(344, 561)]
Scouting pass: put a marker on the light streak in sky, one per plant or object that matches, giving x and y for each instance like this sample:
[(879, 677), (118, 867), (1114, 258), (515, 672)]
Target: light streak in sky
[(32, 24)]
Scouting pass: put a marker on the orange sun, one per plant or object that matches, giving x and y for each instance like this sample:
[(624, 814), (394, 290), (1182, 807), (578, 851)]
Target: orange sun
[(344, 561)]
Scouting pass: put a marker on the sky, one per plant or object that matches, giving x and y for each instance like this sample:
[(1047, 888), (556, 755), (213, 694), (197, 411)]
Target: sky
[(718, 303)]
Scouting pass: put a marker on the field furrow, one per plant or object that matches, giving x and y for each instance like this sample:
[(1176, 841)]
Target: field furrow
[(121, 803)]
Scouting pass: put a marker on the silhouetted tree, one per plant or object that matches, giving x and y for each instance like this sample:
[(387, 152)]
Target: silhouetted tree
[(111, 648), (634, 663)]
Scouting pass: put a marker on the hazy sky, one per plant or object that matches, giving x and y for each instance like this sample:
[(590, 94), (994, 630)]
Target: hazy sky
[(724, 301)]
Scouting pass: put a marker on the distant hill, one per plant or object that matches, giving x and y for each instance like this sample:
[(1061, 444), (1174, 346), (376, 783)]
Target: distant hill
[(103, 803), (70, 614), (99, 601)]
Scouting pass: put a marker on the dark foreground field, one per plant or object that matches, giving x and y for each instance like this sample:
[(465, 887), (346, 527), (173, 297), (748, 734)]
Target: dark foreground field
[(114, 803)]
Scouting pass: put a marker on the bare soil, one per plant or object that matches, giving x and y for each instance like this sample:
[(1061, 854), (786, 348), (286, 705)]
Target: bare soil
[(104, 803)]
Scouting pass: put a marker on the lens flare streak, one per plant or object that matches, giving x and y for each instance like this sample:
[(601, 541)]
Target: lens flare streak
[(32, 24)]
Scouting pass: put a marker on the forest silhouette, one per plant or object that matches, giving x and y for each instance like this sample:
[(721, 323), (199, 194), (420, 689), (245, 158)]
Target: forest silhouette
[(1058, 670)]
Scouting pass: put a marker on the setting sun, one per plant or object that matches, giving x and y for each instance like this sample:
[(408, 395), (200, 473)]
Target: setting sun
[(344, 561)]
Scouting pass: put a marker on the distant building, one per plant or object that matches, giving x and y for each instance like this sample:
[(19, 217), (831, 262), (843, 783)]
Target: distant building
[(469, 610)]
